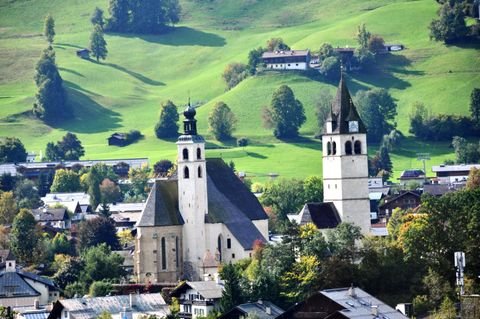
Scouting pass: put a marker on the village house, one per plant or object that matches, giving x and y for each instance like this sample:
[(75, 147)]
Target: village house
[(405, 200), (260, 309), (20, 288), (412, 175), (342, 303), (198, 219), (120, 307), (287, 60), (198, 298), (55, 217), (118, 139), (450, 174)]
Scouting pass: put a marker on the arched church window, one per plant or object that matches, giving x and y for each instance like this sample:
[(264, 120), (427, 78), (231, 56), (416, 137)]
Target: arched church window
[(185, 154), (358, 147), (329, 148), (164, 253), (348, 148), (186, 173), (200, 172), (219, 248), (199, 153), (177, 254), (334, 148)]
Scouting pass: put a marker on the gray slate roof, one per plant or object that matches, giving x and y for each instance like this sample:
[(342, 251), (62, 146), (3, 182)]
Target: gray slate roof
[(50, 214), (282, 54), (229, 202), (257, 309), (207, 289), (87, 308), (13, 285), (323, 215)]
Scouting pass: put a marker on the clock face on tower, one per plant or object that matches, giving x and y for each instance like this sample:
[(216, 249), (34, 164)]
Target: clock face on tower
[(353, 126)]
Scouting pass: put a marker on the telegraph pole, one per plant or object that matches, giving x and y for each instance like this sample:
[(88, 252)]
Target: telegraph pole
[(424, 157)]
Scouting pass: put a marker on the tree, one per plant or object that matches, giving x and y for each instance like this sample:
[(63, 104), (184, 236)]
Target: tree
[(49, 28), (139, 181), (363, 35), (61, 245), (65, 181), (377, 110), (277, 44), (109, 191), (52, 152), (376, 44), (100, 288), (69, 270), (342, 239), (167, 126), (313, 189), (326, 51), (97, 231), (26, 193), (232, 294), (302, 280), (475, 105), (51, 99), (24, 237), (8, 208), (94, 178), (323, 107), (473, 180), (284, 196), (286, 114), (234, 73), (221, 121), (70, 147), (363, 57), (119, 16), (98, 45), (254, 59), (465, 152), (7, 182), (162, 167), (97, 17), (12, 151), (330, 68), (100, 264), (450, 26)]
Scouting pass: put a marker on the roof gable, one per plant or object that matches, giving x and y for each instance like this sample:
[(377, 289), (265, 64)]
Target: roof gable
[(12, 285)]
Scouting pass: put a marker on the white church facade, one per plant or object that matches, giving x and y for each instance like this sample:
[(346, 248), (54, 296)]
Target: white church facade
[(197, 220)]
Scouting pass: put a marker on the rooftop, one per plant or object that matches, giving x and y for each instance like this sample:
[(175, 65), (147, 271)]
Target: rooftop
[(280, 53), (454, 168)]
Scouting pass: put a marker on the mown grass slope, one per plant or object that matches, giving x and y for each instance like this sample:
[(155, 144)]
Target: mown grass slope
[(125, 91)]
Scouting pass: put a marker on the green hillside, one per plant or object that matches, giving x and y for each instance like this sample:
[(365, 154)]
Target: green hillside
[(125, 91)]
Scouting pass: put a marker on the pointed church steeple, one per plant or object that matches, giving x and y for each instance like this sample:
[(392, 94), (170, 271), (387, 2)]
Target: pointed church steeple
[(344, 116)]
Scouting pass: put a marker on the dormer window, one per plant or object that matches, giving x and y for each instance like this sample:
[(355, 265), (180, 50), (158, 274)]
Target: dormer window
[(353, 126)]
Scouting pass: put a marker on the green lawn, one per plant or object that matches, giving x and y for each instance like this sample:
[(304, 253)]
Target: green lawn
[(125, 91)]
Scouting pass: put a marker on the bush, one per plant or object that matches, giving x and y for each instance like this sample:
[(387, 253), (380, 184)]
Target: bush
[(100, 289), (133, 136), (234, 73), (330, 68), (242, 142)]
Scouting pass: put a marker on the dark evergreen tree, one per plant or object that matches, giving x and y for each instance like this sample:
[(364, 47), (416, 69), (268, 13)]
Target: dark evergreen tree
[(254, 59), (119, 16), (98, 45), (168, 123), (286, 114), (70, 147), (162, 167), (53, 152), (221, 121), (7, 182), (12, 151), (232, 293), (49, 28), (97, 17), (475, 105), (96, 231), (26, 194), (51, 98)]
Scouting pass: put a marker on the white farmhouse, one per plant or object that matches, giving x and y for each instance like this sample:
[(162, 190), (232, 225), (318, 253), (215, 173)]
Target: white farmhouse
[(287, 60)]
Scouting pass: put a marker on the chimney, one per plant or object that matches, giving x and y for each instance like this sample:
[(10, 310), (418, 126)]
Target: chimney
[(268, 310), (36, 304), (351, 292), (374, 310), (132, 300)]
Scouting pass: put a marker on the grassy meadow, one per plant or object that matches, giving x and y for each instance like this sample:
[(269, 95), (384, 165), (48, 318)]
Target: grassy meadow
[(125, 91)]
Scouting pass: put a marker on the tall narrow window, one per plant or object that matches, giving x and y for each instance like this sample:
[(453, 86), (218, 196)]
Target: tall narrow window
[(199, 171), (229, 243), (185, 154), (329, 148), (334, 148), (348, 148), (186, 173), (219, 248), (358, 147), (164, 253), (177, 255), (199, 153)]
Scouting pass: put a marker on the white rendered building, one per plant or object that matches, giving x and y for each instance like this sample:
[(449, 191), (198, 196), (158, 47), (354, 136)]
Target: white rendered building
[(201, 218), (287, 60)]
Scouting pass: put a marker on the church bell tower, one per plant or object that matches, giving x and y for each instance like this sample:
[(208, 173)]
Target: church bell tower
[(345, 161), (192, 193)]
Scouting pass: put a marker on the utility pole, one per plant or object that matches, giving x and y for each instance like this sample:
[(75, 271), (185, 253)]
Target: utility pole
[(424, 157)]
